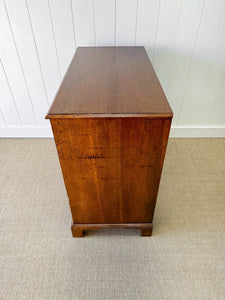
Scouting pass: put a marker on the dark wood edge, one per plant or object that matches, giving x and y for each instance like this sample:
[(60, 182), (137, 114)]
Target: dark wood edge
[(78, 229), (121, 115), (120, 225)]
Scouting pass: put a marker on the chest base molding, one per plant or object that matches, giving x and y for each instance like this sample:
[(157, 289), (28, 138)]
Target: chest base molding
[(78, 229)]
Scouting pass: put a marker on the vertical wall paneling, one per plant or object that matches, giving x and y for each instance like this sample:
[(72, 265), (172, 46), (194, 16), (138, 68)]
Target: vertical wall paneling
[(217, 115), (62, 20), (147, 22), (104, 12), (20, 23), (126, 23), (168, 25), (203, 81), (8, 105), (44, 37), (184, 46), (212, 39), (14, 70), (83, 12)]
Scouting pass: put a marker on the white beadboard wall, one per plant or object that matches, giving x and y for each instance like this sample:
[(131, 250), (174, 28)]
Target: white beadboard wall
[(185, 40)]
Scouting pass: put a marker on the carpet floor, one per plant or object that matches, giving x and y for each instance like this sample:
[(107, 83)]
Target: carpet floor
[(184, 258)]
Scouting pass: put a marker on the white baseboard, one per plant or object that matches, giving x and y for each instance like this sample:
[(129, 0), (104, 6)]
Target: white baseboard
[(26, 132), (176, 132), (197, 132)]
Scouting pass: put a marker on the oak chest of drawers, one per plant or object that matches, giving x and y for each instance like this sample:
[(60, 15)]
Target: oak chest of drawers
[(111, 122)]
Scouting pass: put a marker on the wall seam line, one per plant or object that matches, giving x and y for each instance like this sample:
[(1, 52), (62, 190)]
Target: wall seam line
[(24, 77), (53, 32), (37, 53), (174, 47), (73, 21), (190, 64), (93, 3), (115, 25), (136, 25), (156, 33), (3, 117), (11, 92)]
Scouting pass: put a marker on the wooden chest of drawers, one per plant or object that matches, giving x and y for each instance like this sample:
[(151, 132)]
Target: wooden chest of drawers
[(111, 123)]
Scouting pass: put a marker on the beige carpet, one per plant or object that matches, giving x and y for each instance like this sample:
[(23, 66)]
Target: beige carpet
[(184, 259)]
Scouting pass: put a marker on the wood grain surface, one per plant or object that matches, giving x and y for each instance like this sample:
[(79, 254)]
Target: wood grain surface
[(110, 81), (111, 166)]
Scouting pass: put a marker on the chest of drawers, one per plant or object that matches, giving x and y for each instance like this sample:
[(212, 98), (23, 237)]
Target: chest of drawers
[(111, 122)]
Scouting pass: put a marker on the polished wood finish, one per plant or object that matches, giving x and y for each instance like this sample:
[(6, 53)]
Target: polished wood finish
[(111, 123), (111, 166), (110, 81)]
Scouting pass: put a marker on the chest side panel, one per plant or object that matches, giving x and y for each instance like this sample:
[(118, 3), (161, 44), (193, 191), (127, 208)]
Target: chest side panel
[(111, 166)]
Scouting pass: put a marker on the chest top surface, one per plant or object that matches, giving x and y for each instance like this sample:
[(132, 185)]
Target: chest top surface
[(110, 81)]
